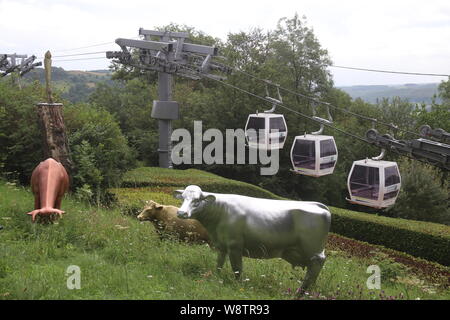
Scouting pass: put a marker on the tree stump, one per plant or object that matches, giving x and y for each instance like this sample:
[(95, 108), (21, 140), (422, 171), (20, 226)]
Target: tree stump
[(53, 130)]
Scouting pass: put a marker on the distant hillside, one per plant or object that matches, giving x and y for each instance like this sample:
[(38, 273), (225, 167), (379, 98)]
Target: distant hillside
[(76, 86), (415, 93)]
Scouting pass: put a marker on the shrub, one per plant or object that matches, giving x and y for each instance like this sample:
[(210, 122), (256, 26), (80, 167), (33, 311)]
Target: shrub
[(20, 137), (99, 149), (421, 239), (158, 177), (423, 196)]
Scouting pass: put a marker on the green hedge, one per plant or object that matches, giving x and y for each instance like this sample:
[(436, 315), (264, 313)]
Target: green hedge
[(132, 200), (160, 177), (427, 240)]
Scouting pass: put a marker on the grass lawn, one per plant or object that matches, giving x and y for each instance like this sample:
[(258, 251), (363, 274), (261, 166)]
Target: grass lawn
[(122, 258)]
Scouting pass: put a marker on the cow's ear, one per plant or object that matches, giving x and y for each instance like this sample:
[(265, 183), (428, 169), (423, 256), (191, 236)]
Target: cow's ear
[(209, 198), (178, 194), (159, 206)]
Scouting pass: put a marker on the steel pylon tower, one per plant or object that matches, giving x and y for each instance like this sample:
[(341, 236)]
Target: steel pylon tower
[(169, 54)]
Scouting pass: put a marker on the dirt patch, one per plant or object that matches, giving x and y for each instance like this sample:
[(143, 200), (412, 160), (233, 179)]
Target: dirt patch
[(430, 270)]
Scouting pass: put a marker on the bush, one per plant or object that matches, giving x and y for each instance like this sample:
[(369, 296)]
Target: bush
[(131, 105), (158, 177), (421, 239), (423, 196), (99, 149), (20, 138)]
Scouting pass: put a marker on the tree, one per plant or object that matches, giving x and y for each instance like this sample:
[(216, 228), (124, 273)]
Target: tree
[(398, 112), (131, 105), (100, 150), (444, 91), (20, 137), (296, 52), (422, 196), (436, 116)]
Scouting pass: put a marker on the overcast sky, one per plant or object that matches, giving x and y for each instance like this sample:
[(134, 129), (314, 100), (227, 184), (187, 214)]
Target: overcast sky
[(411, 36)]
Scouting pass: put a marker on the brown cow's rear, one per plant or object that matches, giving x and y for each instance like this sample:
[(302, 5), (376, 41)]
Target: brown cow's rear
[(49, 183)]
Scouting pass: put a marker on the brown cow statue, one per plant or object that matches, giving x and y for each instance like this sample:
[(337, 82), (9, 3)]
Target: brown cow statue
[(49, 183), (165, 220)]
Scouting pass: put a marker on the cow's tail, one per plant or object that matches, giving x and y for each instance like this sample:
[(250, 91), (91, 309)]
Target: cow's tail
[(327, 216)]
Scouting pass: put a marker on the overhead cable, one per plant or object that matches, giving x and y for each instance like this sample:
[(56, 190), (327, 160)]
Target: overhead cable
[(390, 71)]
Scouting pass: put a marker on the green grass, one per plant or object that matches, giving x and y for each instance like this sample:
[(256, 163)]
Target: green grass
[(122, 258)]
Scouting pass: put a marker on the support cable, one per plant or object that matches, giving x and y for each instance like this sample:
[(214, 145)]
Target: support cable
[(389, 125)]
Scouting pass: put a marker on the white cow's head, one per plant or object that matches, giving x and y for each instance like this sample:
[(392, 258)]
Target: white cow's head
[(194, 201)]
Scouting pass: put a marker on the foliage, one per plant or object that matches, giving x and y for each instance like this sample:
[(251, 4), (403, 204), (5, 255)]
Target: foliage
[(98, 148), (75, 86), (20, 137), (421, 239), (423, 196), (131, 106), (397, 111), (444, 91), (160, 177), (437, 115), (100, 151), (297, 52), (86, 175)]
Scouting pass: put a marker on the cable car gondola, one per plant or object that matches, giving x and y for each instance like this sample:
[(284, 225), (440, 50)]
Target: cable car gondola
[(266, 130), (269, 131), (374, 182), (314, 154)]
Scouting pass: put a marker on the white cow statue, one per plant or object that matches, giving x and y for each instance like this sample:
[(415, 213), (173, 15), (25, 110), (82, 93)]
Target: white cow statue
[(260, 228)]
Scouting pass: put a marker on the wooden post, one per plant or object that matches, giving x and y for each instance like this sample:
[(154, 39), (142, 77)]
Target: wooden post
[(51, 121)]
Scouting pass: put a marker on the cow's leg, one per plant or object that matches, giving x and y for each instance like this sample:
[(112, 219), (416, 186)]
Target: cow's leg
[(294, 256), (221, 256), (37, 201), (58, 202), (235, 253), (313, 269)]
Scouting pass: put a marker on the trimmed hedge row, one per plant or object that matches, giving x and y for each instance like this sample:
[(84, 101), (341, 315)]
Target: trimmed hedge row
[(421, 239), (132, 200), (427, 240), (160, 177)]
